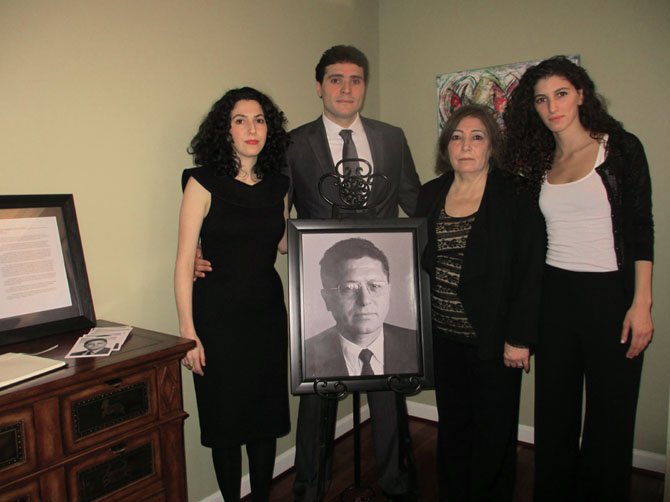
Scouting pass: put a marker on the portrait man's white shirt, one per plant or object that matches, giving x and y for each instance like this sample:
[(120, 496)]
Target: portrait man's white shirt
[(351, 351)]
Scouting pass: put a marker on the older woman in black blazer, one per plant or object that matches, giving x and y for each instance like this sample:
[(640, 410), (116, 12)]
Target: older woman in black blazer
[(485, 255)]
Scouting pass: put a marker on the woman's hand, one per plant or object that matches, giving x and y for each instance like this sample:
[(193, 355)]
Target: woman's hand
[(516, 357), (638, 318), (194, 360), (638, 321)]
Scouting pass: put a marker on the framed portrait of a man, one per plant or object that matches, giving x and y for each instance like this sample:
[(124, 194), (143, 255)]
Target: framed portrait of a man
[(359, 306)]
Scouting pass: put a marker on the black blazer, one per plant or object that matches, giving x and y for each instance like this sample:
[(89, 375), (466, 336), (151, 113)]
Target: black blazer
[(502, 264), (309, 158), (324, 358)]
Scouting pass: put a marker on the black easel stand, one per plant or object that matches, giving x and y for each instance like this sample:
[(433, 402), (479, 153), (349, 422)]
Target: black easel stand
[(351, 183), (357, 492), (402, 387)]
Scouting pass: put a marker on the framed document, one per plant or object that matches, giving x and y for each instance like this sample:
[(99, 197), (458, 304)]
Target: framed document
[(359, 306), (44, 286)]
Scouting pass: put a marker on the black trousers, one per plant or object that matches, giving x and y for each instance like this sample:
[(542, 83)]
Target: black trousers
[(478, 408), (579, 349), (393, 469)]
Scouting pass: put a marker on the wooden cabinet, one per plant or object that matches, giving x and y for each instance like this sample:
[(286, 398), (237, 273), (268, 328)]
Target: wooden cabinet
[(99, 429)]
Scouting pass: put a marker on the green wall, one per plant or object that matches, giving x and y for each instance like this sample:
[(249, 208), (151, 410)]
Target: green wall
[(100, 99), (623, 44)]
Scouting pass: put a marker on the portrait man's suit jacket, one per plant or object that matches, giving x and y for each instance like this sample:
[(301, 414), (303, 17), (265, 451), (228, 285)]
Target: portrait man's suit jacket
[(324, 357), (309, 158)]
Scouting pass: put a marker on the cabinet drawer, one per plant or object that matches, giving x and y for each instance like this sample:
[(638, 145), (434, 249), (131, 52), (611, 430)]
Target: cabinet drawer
[(156, 498), (26, 492), (17, 443), (117, 472), (106, 409)]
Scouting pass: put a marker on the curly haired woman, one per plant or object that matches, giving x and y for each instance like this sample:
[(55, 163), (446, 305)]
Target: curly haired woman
[(235, 204), (592, 182)]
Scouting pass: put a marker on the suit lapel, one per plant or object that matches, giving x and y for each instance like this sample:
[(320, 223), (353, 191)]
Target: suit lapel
[(376, 142), (319, 144), (332, 366)]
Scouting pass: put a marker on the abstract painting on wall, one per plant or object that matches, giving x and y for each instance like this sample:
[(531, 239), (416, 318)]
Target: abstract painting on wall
[(490, 87)]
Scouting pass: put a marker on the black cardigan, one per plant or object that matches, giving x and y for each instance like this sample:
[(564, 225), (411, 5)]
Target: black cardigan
[(625, 175), (503, 261)]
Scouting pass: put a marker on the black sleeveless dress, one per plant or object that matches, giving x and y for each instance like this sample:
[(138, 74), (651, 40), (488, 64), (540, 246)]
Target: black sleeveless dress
[(239, 312)]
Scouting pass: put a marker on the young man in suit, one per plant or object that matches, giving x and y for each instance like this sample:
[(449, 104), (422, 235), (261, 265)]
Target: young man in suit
[(316, 147), (341, 82), (357, 291)]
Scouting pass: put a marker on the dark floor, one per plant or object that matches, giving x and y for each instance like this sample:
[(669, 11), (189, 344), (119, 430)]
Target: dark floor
[(647, 486)]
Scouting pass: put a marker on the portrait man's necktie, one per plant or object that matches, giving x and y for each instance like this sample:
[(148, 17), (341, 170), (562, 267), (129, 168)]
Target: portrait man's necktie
[(348, 152), (365, 356)]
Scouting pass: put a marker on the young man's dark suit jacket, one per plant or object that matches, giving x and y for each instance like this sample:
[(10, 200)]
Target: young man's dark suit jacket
[(309, 158), (324, 357)]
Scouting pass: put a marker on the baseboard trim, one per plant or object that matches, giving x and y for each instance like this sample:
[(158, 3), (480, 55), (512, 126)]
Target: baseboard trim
[(642, 459)]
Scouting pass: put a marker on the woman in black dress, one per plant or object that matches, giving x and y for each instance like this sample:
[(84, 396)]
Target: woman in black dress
[(235, 204), (591, 180)]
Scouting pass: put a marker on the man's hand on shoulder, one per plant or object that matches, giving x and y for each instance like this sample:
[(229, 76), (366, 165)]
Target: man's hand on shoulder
[(200, 265)]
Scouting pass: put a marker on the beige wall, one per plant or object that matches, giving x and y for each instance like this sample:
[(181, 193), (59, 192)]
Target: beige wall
[(623, 45), (100, 99)]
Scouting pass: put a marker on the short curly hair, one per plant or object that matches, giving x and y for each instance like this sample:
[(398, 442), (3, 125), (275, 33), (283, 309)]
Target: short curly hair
[(349, 249), (342, 54), (530, 146), (212, 146), (443, 164)]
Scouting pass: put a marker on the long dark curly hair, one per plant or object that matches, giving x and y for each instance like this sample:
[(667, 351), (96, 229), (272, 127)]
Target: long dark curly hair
[(529, 145), (212, 146)]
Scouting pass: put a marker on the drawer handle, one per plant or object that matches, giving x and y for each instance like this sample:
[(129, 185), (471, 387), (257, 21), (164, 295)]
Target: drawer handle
[(114, 382), (118, 448)]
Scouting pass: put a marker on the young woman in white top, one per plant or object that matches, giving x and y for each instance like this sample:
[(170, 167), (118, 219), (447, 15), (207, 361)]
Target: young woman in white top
[(591, 180)]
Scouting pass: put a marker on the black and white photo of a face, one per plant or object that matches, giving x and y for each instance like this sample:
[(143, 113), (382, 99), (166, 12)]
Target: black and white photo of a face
[(358, 297), (95, 344), (322, 307), (359, 305)]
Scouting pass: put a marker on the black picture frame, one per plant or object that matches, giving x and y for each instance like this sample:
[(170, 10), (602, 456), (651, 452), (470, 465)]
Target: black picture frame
[(79, 314), (402, 240)]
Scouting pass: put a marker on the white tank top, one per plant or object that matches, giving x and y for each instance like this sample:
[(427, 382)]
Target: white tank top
[(579, 223)]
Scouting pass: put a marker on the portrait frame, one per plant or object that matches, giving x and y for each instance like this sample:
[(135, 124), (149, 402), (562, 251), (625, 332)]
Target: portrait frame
[(46, 291), (406, 323)]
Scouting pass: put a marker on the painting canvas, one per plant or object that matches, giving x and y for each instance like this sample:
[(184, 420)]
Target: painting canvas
[(490, 87)]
